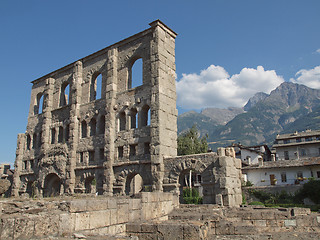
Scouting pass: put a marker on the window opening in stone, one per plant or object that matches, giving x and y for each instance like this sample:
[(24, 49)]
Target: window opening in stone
[(28, 141), (60, 136), (53, 136), (31, 164), (286, 155), (39, 139), (25, 165), (90, 185), (40, 104), (189, 178), (145, 116), (65, 95), (83, 129), (318, 174), (134, 184), (101, 125), (132, 150), (93, 126), (136, 74), (67, 132), (147, 148), (34, 141), (101, 153), (96, 87), (133, 118), (81, 157), (122, 121), (91, 156), (120, 152)]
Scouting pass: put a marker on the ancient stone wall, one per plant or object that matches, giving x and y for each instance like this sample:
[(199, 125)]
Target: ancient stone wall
[(90, 216), (88, 125), (217, 175)]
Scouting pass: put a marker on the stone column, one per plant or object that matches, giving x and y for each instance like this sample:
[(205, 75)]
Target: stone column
[(74, 127), (110, 124), (21, 142), (163, 103)]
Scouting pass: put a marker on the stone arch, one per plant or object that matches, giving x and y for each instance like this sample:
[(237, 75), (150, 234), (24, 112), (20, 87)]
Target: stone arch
[(101, 124), (93, 126), (39, 105), (133, 118), (90, 184), (52, 185), (121, 121), (96, 86), (65, 94), (135, 72), (144, 116), (134, 184)]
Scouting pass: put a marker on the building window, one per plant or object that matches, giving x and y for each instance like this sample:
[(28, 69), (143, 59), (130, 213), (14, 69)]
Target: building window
[(31, 164), (67, 133), (283, 177), (299, 175), (101, 153), (132, 150), (286, 141), (120, 152), (60, 136), (136, 74), (101, 125), (83, 129), (53, 136), (25, 165), (147, 148), (91, 156), (308, 139), (93, 126), (302, 152), (318, 174), (65, 94), (318, 138), (286, 155), (298, 140), (133, 118), (145, 116), (122, 121), (29, 142), (81, 158)]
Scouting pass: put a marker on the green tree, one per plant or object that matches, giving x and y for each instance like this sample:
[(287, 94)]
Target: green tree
[(190, 142)]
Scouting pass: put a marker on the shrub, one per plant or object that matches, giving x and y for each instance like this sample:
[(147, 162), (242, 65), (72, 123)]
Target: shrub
[(191, 196), (256, 203), (310, 190)]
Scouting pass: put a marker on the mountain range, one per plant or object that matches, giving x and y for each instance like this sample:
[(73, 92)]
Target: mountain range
[(290, 107)]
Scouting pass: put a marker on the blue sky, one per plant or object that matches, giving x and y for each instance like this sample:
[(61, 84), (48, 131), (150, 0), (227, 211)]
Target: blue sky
[(227, 50)]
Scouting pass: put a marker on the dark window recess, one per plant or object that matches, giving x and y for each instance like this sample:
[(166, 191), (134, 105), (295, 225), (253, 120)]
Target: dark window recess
[(308, 139), (101, 153), (91, 156), (318, 174), (81, 157), (283, 177), (120, 152), (147, 148), (286, 155), (132, 150)]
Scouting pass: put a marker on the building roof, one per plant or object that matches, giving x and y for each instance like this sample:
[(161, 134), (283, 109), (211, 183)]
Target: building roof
[(312, 161), (307, 133)]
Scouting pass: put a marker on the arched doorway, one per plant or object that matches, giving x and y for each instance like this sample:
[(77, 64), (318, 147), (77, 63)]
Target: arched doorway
[(52, 185), (189, 178), (134, 184)]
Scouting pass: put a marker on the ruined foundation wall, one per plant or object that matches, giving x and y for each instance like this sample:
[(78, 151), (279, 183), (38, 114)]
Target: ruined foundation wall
[(91, 216)]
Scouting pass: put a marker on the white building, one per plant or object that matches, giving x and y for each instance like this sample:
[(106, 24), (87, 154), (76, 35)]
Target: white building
[(297, 160)]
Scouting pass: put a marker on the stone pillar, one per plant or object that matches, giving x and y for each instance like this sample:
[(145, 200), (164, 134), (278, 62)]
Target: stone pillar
[(110, 124), (21, 142), (74, 126), (163, 103)]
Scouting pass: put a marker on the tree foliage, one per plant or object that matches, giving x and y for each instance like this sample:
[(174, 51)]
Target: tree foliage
[(190, 142)]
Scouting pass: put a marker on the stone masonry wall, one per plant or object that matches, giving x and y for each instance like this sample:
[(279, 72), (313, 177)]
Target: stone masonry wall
[(91, 216)]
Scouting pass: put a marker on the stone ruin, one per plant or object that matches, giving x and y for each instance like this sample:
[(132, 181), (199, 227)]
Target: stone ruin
[(107, 149), (92, 130)]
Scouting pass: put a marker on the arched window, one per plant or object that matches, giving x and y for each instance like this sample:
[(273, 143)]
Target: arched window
[(65, 94), (136, 74), (101, 125), (93, 126), (122, 121), (96, 87), (133, 118), (38, 108), (83, 129), (145, 116)]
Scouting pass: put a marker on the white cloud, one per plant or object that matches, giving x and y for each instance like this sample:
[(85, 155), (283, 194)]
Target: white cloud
[(310, 78), (214, 87), (318, 50)]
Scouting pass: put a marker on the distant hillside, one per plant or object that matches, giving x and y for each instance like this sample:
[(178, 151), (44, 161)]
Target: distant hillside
[(222, 116), (288, 108)]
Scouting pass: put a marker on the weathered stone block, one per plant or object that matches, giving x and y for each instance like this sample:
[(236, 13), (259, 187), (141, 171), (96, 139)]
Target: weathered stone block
[(82, 221), (99, 219), (290, 223)]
